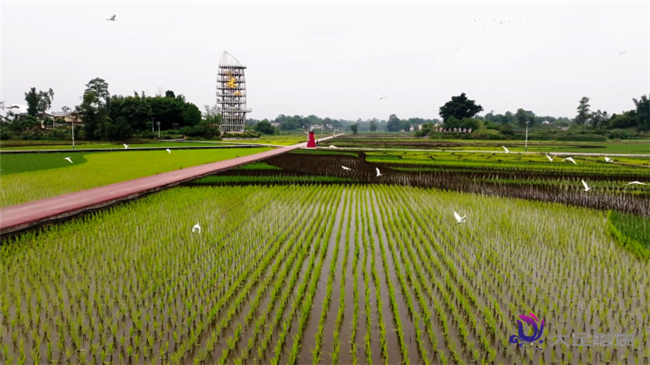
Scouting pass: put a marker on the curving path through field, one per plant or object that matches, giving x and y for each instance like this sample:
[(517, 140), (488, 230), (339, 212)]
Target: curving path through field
[(19, 217)]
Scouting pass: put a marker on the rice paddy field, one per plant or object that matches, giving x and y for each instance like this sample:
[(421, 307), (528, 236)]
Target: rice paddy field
[(407, 141), (33, 176), (57, 145), (299, 261)]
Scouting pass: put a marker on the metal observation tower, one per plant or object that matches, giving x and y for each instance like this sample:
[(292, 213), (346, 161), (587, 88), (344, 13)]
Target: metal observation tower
[(231, 94)]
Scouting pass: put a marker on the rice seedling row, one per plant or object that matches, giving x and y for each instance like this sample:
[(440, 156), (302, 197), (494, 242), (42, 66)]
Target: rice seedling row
[(381, 323), (373, 343), (401, 266), (397, 304), (309, 250), (448, 291), (308, 304), (291, 268), (316, 349), (212, 341), (339, 330)]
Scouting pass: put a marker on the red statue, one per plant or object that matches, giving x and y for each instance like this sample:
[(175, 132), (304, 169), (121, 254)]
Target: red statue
[(311, 143)]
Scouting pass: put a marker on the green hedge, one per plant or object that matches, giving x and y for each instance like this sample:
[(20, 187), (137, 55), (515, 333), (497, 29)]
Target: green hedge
[(581, 138)]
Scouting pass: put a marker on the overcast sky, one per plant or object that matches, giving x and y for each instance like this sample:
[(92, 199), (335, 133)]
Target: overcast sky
[(331, 58)]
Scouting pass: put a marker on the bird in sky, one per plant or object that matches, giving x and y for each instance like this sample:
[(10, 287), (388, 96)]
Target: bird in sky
[(549, 158), (380, 97), (126, 146), (346, 168), (607, 159), (460, 219), (69, 159), (504, 147), (587, 187), (168, 150), (378, 173), (112, 18), (196, 226), (570, 159), (621, 53), (635, 183)]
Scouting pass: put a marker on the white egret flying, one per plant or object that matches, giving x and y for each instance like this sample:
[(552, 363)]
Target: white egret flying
[(460, 219), (378, 173), (504, 147), (69, 159), (607, 159), (587, 187), (570, 159), (549, 158), (168, 150), (196, 226), (635, 183), (112, 18), (346, 168), (126, 146), (380, 97)]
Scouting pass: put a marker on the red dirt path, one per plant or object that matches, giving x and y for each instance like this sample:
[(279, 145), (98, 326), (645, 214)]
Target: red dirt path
[(19, 217)]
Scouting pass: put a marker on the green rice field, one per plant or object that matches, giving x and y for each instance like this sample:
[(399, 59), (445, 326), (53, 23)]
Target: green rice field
[(34, 176), (319, 274), (57, 145)]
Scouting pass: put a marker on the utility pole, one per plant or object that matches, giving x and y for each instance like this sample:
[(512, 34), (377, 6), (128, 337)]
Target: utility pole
[(158, 129), (526, 148), (73, 134)]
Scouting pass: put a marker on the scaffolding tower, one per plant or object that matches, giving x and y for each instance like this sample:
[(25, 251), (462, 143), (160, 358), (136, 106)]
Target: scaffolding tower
[(231, 94)]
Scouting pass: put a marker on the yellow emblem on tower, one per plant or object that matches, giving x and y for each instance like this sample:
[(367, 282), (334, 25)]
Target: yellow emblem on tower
[(231, 83)]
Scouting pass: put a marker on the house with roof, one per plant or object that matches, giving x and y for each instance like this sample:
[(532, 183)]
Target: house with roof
[(17, 111)]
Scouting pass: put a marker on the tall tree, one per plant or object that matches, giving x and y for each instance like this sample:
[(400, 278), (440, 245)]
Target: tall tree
[(264, 127), (522, 116), (90, 114), (373, 125), (191, 114), (394, 124), (169, 94), (643, 113), (212, 115), (460, 107), (32, 98), (583, 112), (45, 100), (598, 119), (100, 88)]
